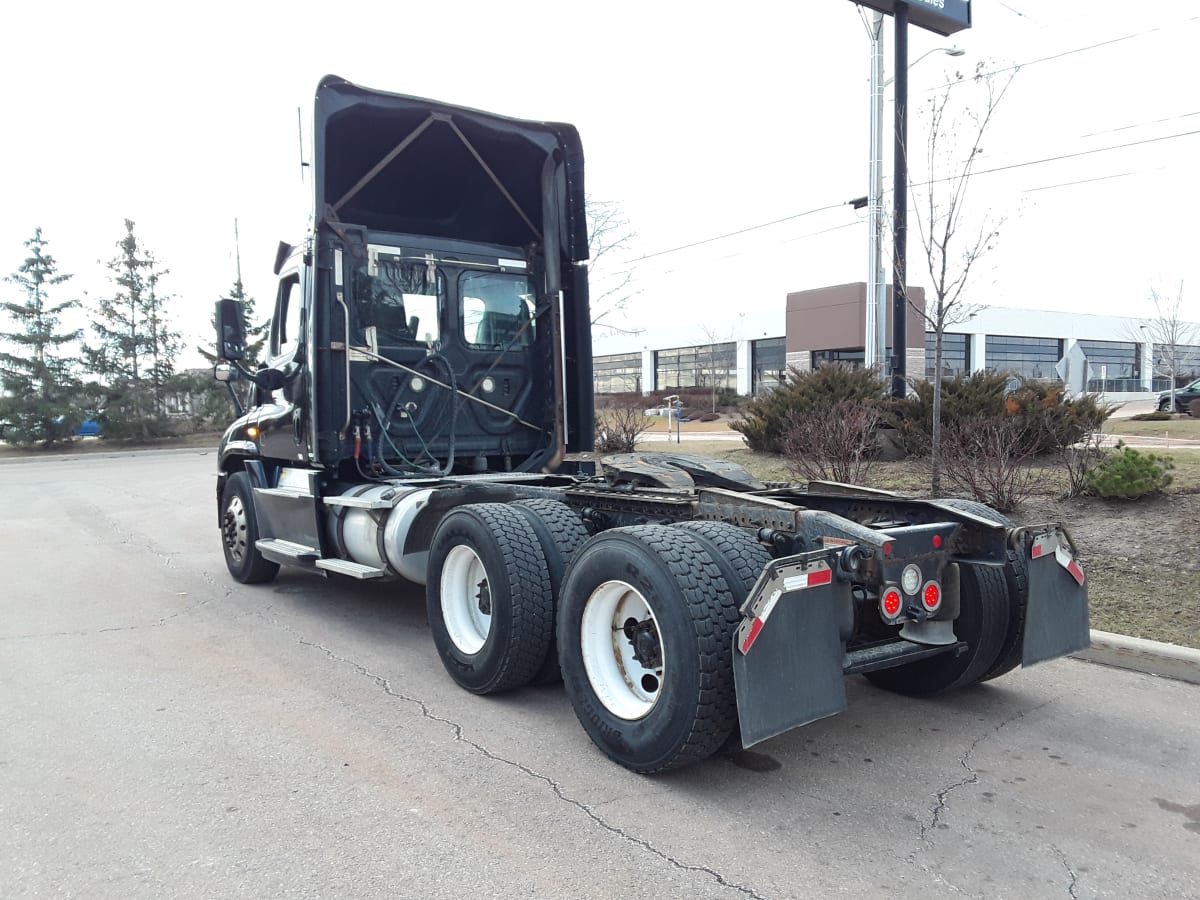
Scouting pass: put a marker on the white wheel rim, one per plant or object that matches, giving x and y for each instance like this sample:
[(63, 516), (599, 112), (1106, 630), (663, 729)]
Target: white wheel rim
[(466, 599), (626, 685)]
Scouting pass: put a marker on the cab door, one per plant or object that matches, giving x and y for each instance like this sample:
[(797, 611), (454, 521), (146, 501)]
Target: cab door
[(283, 417)]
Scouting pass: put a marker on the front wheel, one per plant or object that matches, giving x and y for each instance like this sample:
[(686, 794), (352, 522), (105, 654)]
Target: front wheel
[(645, 638), (239, 533)]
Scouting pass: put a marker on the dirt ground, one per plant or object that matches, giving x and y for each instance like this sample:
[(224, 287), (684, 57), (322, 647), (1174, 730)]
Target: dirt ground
[(1141, 559)]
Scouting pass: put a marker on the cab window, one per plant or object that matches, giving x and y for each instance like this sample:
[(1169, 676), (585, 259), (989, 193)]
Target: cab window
[(497, 310), (286, 330)]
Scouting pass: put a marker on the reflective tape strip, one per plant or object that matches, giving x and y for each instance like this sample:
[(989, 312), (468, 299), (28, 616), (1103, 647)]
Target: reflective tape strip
[(755, 627), (815, 578), (1047, 543), (1068, 562)]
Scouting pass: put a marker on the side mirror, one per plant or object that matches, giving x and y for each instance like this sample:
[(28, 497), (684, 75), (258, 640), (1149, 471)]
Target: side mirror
[(226, 373), (231, 331)]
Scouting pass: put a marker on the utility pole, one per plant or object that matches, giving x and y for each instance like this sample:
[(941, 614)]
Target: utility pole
[(875, 338), (900, 208)]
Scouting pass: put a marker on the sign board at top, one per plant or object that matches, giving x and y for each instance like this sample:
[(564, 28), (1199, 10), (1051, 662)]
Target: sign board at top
[(943, 17)]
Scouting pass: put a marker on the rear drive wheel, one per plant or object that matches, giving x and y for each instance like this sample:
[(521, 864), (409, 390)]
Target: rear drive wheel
[(560, 532), (489, 606), (982, 624), (239, 533), (741, 559), (1018, 591), (740, 556), (645, 634)]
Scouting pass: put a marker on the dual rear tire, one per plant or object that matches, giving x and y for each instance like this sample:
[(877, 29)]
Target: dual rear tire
[(645, 618)]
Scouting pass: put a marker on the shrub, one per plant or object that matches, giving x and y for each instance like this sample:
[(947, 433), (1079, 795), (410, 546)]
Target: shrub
[(620, 421), (979, 395), (765, 420), (1128, 474), (1156, 416), (1051, 421), (834, 444), (989, 458), (1194, 409)]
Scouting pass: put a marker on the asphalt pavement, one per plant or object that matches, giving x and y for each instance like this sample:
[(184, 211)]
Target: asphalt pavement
[(167, 732)]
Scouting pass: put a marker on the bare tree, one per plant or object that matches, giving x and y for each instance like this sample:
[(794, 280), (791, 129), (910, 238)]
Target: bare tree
[(1173, 337), (709, 368), (610, 272), (953, 243)]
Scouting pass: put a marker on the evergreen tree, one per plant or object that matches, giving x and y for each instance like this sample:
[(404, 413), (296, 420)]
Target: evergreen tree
[(135, 347), (37, 378)]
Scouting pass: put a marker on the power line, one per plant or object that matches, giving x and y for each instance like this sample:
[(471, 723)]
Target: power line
[(1053, 56), (1141, 124), (721, 237)]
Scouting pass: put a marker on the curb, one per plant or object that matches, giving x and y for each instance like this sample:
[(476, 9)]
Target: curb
[(1139, 655)]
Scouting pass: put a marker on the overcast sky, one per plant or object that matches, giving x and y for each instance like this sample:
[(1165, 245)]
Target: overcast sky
[(699, 118)]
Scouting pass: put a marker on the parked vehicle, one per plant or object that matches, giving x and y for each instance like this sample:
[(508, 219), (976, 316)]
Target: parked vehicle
[(425, 413), (1183, 397)]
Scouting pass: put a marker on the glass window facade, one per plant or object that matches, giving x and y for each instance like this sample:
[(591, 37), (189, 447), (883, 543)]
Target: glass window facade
[(852, 357), (956, 354), (703, 366), (768, 364), (1118, 362), (1187, 367), (1029, 357), (618, 373)]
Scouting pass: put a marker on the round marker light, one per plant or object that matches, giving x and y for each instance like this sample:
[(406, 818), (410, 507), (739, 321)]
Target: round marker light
[(417, 384), (252, 432), (937, 542), (932, 597), (910, 579), (488, 384), (890, 603)]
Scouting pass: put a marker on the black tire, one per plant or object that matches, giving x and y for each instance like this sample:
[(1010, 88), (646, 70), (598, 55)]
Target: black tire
[(693, 709), (1018, 592), (505, 648), (742, 559), (239, 533), (982, 624), (740, 556), (560, 532), (1164, 404)]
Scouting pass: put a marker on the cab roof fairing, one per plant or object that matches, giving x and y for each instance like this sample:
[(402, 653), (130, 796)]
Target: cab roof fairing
[(433, 183)]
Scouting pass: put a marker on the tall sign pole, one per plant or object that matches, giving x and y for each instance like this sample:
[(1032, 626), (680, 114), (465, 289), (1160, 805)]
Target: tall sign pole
[(944, 17), (900, 210), (875, 342)]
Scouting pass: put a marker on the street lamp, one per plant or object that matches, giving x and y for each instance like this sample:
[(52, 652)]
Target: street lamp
[(875, 338)]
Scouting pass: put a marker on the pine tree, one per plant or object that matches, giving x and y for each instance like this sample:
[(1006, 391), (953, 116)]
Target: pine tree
[(37, 378), (135, 347)]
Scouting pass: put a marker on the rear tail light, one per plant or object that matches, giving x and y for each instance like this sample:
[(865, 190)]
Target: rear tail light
[(931, 597), (891, 603)]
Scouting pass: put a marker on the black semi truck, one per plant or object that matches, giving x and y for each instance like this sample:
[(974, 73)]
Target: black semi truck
[(422, 415)]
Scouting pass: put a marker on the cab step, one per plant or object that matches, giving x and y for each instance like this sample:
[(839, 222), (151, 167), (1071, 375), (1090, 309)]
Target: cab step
[(346, 567), (279, 550)]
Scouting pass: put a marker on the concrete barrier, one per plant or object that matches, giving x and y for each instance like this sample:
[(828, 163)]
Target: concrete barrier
[(1139, 655)]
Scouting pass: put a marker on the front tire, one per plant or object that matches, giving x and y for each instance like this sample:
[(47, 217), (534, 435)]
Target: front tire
[(645, 637), (490, 606), (239, 533)]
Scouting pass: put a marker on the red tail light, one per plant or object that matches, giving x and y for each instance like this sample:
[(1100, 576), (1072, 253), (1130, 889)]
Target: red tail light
[(890, 603), (932, 597)]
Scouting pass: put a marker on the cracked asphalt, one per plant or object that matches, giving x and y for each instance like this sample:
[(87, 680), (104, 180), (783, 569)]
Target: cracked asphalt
[(167, 732)]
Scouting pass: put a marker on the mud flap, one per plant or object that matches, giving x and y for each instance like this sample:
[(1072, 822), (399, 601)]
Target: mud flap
[(789, 649), (1056, 618)]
